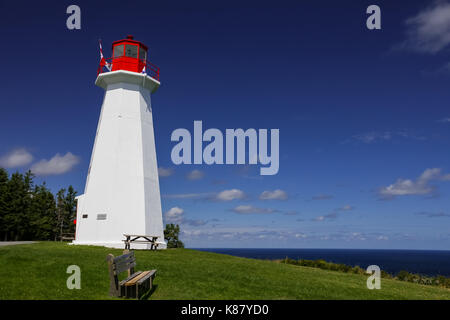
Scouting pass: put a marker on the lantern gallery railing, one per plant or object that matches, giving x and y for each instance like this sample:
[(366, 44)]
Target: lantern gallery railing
[(152, 70), (146, 67)]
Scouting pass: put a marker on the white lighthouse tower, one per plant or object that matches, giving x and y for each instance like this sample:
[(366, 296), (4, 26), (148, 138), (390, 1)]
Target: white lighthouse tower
[(122, 188)]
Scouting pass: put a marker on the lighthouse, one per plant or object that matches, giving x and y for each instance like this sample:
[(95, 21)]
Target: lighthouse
[(121, 194)]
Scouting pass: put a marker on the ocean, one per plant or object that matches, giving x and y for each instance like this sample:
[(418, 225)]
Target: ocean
[(425, 262)]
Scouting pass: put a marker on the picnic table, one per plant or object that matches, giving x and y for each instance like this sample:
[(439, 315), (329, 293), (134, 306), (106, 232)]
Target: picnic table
[(135, 238)]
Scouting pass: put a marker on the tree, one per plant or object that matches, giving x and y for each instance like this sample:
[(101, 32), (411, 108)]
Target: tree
[(4, 178), (71, 209), (30, 212), (171, 235), (12, 203), (403, 275), (66, 210), (60, 213), (18, 198), (42, 214), (24, 228)]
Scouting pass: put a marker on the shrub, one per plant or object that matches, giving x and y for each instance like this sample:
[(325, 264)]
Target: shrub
[(403, 275)]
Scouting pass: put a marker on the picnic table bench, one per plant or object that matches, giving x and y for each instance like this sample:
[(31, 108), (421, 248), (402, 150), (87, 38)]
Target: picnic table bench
[(67, 237), (135, 238), (136, 284)]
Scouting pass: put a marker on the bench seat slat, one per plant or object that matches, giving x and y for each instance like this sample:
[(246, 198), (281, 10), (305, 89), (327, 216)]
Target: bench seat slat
[(136, 279), (150, 273), (136, 274)]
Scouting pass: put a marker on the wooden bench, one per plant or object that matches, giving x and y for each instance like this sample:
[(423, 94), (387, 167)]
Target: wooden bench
[(136, 284)]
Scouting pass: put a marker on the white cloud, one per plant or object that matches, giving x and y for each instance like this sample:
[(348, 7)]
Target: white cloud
[(229, 195), (357, 236), (435, 215), (370, 137), (381, 136), (56, 165), (329, 216), (429, 30), (187, 195), (323, 197), (420, 186), (16, 158), (242, 234), (248, 209), (445, 120), (406, 187), (334, 214), (174, 215), (195, 175), (165, 172), (225, 195), (194, 223), (274, 195)]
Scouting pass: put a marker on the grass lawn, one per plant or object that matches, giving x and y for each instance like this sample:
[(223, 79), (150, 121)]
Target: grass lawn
[(38, 271)]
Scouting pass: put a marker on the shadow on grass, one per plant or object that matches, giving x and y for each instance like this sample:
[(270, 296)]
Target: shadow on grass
[(147, 295)]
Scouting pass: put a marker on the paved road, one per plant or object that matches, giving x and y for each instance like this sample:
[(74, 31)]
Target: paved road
[(10, 243)]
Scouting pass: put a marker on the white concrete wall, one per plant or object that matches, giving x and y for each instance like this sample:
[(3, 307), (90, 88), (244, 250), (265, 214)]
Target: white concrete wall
[(123, 177)]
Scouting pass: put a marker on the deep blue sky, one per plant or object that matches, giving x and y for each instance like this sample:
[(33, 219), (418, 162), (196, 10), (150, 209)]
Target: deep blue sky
[(357, 110)]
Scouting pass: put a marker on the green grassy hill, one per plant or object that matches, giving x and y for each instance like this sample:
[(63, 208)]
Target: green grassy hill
[(38, 271)]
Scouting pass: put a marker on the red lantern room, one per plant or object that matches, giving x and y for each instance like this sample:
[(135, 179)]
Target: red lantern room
[(130, 55)]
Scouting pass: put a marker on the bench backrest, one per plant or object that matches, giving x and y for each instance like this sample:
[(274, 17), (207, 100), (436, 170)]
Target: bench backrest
[(124, 262), (117, 265)]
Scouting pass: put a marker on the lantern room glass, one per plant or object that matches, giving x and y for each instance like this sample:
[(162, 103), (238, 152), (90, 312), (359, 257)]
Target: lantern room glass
[(118, 50), (142, 54), (131, 51)]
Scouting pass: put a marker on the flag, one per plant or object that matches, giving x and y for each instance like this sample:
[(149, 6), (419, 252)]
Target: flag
[(103, 62)]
